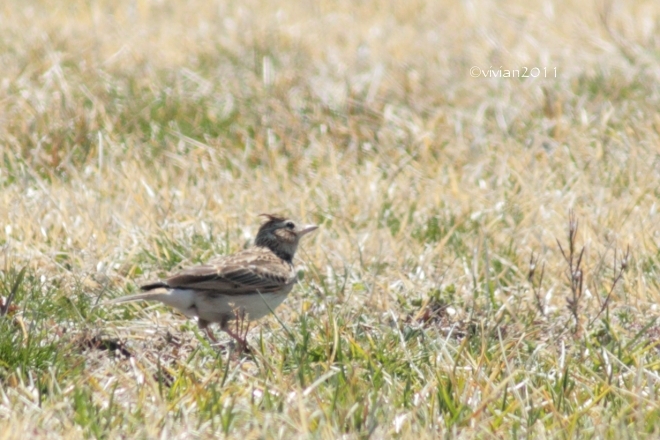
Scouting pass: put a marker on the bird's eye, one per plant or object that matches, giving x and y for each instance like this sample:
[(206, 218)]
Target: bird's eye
[(289, 225)]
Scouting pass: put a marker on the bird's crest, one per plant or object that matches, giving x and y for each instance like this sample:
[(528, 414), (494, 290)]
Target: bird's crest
[(272, 218)]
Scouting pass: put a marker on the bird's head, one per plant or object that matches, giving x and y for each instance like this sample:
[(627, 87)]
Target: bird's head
[(281, 235)]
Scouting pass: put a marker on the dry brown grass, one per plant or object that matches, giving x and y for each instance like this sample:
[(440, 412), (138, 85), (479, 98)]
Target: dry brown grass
[(137, 136)]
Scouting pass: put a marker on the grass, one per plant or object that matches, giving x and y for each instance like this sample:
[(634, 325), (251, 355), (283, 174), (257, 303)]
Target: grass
[(488, 259)]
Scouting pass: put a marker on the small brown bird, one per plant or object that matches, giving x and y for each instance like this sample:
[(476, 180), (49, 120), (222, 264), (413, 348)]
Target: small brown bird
[(245, 285)]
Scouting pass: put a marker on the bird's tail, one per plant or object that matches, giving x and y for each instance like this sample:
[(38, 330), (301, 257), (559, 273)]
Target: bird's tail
[(181, 299), (148, 296), (156, 295)]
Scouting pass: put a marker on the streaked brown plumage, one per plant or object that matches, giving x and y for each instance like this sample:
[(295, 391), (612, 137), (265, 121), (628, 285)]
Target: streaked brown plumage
[(247, 285)]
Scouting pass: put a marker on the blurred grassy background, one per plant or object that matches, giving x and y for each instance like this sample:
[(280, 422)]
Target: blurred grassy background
[(140, 136)]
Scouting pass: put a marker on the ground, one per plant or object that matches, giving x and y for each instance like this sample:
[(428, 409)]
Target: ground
[(485, 176)]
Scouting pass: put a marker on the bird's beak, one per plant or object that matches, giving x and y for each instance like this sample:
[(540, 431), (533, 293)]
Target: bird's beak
[(307, 229)]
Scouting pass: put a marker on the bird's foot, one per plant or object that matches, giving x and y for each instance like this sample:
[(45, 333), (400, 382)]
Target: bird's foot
[(242, 343)]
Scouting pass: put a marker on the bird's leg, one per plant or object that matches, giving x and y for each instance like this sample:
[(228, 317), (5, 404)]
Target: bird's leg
[(239, 335), (241, 341), (204, 326), (210, 335)]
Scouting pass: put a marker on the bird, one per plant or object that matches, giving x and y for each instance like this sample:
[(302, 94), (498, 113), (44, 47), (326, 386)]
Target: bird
[(244, 286)]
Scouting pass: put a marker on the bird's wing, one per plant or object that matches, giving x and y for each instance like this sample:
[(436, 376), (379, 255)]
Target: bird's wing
[(250, 271)]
